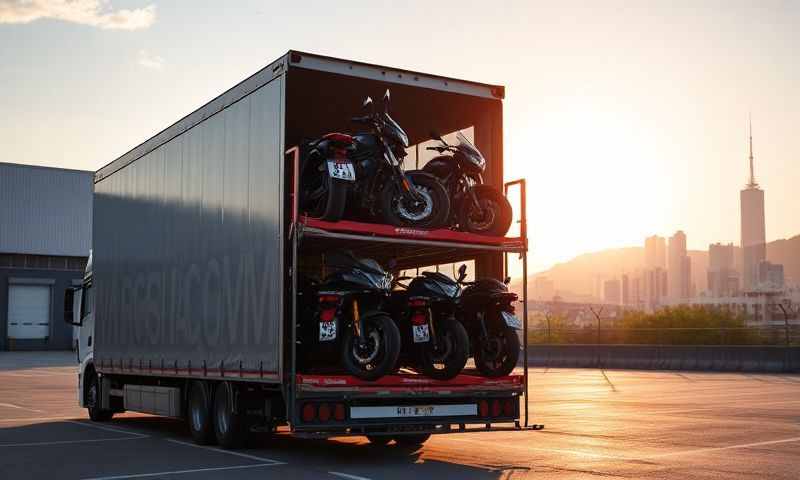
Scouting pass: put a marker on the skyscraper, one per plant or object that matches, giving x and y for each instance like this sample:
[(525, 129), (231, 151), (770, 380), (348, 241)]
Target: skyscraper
[(655, 252), (723, 281), (754, 242), (679, 273)]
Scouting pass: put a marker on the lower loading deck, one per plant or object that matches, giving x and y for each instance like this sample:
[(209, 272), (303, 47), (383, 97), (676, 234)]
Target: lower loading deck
[(335, 405)]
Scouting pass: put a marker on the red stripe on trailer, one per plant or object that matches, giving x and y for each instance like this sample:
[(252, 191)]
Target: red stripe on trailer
[(441, 234), (409, 380)]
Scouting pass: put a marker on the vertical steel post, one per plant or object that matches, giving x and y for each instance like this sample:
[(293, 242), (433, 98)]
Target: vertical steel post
[(293, 231)]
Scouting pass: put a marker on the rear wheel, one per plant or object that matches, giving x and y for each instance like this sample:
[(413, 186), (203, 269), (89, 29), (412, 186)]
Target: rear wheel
[(492, 215), (96, 414), (445, 357), (321, 196), (377, 355), (199, 414), (430, 210), (497, 355), (230, 427)]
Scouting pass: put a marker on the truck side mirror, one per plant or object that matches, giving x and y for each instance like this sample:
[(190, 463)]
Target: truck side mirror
[(69, 306), (462, 272)]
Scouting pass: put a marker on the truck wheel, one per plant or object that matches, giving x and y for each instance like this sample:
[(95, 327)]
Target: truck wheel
[(230, 427), (412, 441), (199, 414), (96, 414), (379, 440)]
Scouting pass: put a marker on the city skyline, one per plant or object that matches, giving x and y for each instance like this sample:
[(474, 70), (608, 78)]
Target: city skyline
[(608, 115)]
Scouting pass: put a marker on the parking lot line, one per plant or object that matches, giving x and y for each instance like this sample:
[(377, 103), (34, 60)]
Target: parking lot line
[(108, 429), (11, 405), (348, 476), (63, 442), (179, 472), (229, 452), (729, 447)]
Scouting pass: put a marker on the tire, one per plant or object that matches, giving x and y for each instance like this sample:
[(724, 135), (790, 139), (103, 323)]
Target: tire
[(230, 428), (322, 197), (96, 414), (198, 415), (498, 355), (379, 440), (494, 217), (412, 441), (380, 355), (434, 213), (449, 359)]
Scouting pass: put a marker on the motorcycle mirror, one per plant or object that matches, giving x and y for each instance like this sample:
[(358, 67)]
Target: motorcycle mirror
[(435, 135), (367, 103), (507, 280), (462, 272), (387, 97)]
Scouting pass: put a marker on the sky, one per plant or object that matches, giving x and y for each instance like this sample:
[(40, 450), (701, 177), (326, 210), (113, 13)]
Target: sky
[(626, 118)]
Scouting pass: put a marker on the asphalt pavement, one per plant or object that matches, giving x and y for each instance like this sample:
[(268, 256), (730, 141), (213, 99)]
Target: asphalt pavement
[(598, 423)]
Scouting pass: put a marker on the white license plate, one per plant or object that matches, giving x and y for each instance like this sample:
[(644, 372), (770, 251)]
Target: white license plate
[(421, 333), (342, 170), (512, 321), (327, 331), (403, 411)]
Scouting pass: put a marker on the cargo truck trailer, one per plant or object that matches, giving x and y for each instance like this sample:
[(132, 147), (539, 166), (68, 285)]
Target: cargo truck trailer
[(189, 303)]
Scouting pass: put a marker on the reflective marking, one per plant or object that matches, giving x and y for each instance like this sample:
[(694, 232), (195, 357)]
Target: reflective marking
[(33, 419), (229, 452), (179, 472), (347, 475)]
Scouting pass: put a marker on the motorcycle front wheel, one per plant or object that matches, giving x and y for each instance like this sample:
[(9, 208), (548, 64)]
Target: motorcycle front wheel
[(321, 196), (492, 215), (444, 357), (497, 354), (430, 211), (377, 355)]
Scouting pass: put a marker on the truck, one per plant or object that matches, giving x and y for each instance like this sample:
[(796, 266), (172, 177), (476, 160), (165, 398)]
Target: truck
[(189, 302)]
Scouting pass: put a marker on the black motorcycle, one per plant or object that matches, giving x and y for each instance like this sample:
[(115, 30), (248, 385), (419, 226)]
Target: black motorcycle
[(438, 345), (345, 315), (325, 174), (369, 167), (476, 207), (487, 311)]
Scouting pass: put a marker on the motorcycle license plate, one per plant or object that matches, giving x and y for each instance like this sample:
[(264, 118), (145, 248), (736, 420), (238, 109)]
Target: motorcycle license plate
[(342, 170), (421, 333), (512, 321), (327, 331)]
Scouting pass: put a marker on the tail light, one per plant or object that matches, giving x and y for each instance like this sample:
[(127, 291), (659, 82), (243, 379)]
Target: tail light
[(323, 412), (483, 408), (419, 312), (496, 407), (328, 305), (309, 412), (508, 407)]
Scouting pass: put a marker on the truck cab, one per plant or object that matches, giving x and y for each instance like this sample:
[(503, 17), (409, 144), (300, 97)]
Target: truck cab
[(79, 306)]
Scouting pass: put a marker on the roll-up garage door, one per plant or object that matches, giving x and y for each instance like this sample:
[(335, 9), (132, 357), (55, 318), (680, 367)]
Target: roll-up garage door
[(28, 311)]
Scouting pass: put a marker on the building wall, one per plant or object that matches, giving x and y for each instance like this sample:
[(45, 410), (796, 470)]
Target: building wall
[(754, 246), (59, 273)]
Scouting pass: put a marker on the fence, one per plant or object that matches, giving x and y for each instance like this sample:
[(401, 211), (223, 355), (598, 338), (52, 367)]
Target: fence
[(788, 335)]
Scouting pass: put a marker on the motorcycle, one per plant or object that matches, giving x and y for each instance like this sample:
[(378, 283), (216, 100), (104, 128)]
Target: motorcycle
[(325, 174), (438, 343), (487, 311), (345, 315), (369, 168), (478, 208)]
